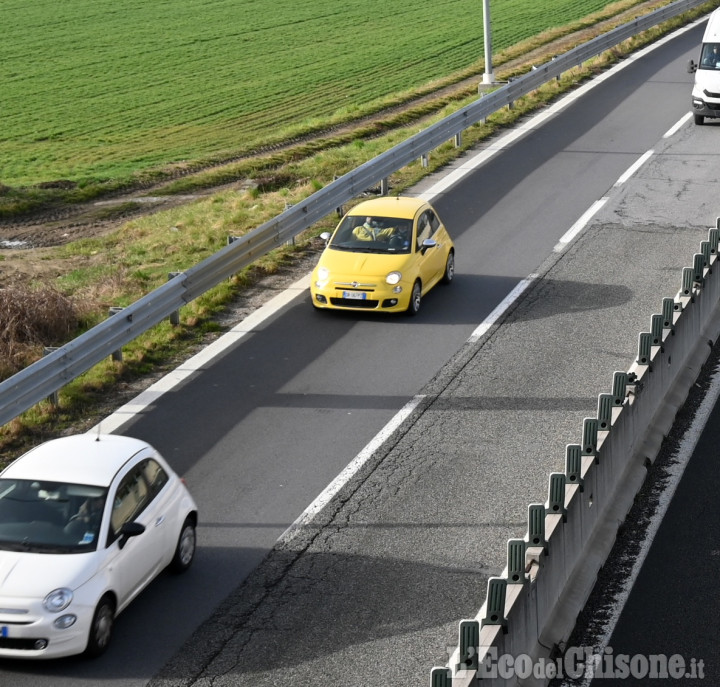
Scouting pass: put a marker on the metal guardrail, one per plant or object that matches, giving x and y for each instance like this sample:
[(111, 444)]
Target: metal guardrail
[(45, 377)]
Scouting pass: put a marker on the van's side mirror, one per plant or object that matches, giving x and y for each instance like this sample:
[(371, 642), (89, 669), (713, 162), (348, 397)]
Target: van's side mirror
[(692, 67)]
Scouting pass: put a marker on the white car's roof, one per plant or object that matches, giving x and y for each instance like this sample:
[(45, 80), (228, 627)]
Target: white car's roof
[(79, 459)]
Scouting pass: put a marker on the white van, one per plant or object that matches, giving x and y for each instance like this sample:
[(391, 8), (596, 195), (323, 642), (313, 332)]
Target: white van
[(706, 91)]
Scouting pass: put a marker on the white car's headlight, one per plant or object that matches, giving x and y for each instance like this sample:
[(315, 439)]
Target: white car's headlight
[(393, 278), (58, 600)]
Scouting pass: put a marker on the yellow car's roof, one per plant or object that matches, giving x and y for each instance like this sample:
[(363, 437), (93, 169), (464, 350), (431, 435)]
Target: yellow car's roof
[(389, 206)]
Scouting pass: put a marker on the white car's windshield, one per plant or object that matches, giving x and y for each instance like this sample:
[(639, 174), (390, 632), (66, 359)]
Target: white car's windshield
[(49, 517), (373, 235)]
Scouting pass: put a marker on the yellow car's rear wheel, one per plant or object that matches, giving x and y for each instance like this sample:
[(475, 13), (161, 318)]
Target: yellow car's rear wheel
[(449, 273)]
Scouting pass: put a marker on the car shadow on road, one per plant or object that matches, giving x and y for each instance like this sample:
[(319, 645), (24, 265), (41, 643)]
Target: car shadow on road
[(326, 614), (470, 299)]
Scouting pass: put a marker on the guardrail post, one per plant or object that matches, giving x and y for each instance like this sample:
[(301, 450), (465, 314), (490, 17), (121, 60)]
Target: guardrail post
[(116, 355), (232, 239), (339, 210), (707, 253), (53, 397), (687, 282), (644, 344), (481, 93), (469, 641), (458, 139), (536, 525), (175, 314), (516, 561), (668, 311), (556, 495), (656, 329), (698, 268), (590, 430), (440, 677), (385, 186), (605, 406), (713, 240), (620, 380), (291, 240), (424, 160), (573, 465), (495, 614)]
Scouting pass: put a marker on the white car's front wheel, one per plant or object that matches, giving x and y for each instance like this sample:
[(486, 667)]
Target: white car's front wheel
[(101, 627)]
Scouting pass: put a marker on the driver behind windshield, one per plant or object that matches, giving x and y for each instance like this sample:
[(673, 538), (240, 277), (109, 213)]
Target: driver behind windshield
[(711, 56), (85, 523), (372, 230)]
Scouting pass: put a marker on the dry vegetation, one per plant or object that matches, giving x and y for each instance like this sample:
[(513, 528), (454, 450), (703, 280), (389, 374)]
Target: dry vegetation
[(33, 319)]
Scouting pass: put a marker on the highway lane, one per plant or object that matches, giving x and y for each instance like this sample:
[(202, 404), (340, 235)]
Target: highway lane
[(262, 429)]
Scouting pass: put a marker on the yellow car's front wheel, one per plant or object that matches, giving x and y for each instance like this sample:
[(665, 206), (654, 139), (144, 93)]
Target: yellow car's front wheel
[(415, 298)]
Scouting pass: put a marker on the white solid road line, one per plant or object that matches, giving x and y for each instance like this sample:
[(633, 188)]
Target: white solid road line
[(634, 168), (576, 228), (141, 402), (344, 477)]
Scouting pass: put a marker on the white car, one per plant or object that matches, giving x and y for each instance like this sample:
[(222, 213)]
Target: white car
[(86, 523)]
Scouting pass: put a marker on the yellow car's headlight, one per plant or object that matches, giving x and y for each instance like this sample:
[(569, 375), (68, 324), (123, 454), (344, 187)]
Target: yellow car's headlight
[(393, 278), (323, 275)]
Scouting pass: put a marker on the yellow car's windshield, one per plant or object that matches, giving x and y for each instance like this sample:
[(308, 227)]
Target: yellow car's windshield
[(373, 235)]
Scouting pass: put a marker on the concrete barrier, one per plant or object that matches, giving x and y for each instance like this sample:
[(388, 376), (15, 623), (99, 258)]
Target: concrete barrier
[(568, 539)]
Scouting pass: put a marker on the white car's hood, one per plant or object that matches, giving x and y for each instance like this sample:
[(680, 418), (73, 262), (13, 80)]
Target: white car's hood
[(35, 574)]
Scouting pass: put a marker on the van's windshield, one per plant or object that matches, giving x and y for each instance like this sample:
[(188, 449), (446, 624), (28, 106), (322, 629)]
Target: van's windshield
[(710, 56)]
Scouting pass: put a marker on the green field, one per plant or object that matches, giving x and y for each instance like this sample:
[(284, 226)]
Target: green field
[(99, 89)]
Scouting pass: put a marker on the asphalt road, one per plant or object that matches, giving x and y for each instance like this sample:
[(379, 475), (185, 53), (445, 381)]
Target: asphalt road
[(408, 544)]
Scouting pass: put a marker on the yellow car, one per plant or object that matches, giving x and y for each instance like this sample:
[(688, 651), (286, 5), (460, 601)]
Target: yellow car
[(384, 255)]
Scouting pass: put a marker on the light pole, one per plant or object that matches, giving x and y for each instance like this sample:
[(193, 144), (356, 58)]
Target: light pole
[(488, 76)]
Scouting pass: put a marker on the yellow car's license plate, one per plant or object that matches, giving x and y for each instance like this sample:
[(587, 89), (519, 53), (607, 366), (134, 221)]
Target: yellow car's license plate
[(357, 295)]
